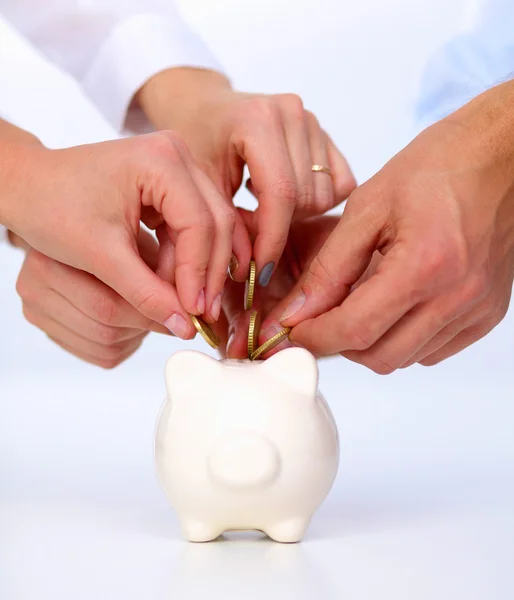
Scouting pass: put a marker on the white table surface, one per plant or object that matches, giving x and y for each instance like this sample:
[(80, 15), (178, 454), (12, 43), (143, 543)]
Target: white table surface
[(423, 506)]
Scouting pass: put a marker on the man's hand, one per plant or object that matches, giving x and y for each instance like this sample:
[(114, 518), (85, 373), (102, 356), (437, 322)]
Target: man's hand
[(439, 218), (80, 313), (274, 135)]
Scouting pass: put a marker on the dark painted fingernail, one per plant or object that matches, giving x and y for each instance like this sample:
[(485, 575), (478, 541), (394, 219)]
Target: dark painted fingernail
[(266, 273)]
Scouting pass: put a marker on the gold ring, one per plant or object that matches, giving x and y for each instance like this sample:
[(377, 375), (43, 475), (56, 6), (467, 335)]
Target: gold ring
[(321, 169)]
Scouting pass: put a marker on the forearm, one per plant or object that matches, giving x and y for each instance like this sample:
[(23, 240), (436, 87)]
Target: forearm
[(16, 146), (173, 97), (495, 107), (479, 143), (487, 136), (117, 46), (9, 133)]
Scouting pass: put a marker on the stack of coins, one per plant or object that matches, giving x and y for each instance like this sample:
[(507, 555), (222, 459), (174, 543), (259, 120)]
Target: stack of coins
[(254, 352)]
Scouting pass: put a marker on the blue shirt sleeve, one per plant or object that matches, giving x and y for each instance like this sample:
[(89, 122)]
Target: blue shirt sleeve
[(469, 64)]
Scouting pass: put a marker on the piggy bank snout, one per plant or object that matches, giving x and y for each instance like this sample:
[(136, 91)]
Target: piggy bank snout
[(243, 459)]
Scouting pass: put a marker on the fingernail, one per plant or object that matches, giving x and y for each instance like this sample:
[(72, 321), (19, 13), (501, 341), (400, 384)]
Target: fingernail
[(200, 304), (294, 307), (266, 273), (232, 267), (177, 325), (272, 330), (216, 307), (230, 340)]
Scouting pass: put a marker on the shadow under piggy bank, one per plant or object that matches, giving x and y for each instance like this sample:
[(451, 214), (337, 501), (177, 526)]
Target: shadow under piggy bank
[(249, 565)]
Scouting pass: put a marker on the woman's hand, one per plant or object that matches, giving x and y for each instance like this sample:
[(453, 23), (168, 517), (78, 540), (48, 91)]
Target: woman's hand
[(82, 207), (274, 135), (304, 241), (79, 312)]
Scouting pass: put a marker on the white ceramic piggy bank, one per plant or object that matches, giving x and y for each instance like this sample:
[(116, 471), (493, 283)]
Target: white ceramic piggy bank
[(245, 445)]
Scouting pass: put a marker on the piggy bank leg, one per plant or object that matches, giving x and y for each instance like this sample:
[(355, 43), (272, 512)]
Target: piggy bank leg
[(195, 530), (288, 531)]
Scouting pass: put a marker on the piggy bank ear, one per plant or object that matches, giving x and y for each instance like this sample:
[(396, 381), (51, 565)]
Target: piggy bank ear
[(187, 370), (297, 368)]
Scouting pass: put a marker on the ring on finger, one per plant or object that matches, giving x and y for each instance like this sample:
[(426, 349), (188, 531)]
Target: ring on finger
[(321, 169)]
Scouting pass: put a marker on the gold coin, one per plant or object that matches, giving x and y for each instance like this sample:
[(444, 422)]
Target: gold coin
[(205, 331), (250, 286), (271, 343), (253, 332)]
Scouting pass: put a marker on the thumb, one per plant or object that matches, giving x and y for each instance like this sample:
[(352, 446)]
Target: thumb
[(125, 272), (337, 266)]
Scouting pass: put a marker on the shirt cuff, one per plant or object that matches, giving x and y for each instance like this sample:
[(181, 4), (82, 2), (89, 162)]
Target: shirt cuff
[(137, 49)]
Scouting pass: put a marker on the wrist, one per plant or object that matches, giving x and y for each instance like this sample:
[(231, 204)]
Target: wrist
[(487, 126), (19, 177), (176, 95), (485, 151)]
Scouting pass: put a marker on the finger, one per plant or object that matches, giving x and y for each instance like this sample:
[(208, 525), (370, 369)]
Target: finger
[(306, 240), (441, 339), (237, 320), (459, 343), (299, 149), (148, 248), (86, 293), (79, 343), (57, 307), (224, 215), (467, 320), (365, 315), (105, 363), (220, 328), (338, 265), (265, 151), (241, 251), (166, 260), (237, 346), (343, 180), (323, 189), (401, 342), (431, 348), (124, 271), (233, 294), (191, 228), (264, 301), (413, 332)]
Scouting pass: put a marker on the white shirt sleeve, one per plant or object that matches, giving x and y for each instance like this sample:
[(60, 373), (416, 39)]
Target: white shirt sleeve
[(469, 64), (112, 48), (3, 234)]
